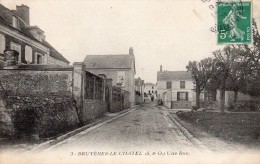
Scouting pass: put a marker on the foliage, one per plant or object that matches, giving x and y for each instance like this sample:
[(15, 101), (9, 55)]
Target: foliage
[(244, 106), (43, 116), (201, 73), (234, 67)]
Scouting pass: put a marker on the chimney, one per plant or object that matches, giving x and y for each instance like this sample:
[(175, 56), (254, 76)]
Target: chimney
[(131, 51), (160, 68), (23, 12)]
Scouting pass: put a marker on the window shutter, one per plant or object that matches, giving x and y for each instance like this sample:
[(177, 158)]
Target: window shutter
[(178, 96), (187, 96)]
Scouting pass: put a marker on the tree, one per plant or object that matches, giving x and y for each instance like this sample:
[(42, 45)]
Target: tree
[(226, 60), (251, 58), (201, 73), (238, 68), (238, 78)]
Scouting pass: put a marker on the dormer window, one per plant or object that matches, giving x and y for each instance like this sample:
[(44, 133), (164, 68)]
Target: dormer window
[(15, 22)]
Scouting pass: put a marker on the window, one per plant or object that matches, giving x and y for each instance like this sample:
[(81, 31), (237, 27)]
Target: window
[(15, 22), (2, 44), (28, 54), (152, 91), (17, 48), (182, 84), (182, 96), (152, 87), (169, 85), (38, 58)]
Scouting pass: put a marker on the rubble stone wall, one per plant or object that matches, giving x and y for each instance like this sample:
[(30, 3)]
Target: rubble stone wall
[(36, 101), (32, 83), (115, 106), (93, 109), (44, 116)]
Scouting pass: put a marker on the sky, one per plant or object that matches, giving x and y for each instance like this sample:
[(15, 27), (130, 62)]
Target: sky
[(162, 32)]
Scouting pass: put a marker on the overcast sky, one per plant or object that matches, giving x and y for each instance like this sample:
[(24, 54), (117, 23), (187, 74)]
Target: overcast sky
[(167, 32)]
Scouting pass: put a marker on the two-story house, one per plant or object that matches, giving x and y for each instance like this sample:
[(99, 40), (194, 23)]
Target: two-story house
[(176, 89), (28, 41), (121, 68)]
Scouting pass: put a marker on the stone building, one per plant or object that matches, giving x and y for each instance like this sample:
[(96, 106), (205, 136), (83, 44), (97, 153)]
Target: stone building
[(121, 68), (17, 34), (176, 89)]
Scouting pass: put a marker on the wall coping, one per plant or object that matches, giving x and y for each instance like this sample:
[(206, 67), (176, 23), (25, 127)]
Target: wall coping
[(39, 69)]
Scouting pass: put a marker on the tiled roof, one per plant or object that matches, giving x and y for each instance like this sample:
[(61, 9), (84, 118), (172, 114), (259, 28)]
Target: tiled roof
[(2, 8), (54, 53), (173, 75), (109, 61), (25, 31)]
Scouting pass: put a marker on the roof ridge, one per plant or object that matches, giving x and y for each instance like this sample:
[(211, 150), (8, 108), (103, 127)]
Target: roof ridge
[(110, 55), (60, 57)]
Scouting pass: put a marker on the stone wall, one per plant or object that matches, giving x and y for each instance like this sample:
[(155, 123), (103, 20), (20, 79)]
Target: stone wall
[(52, 99), (138, 99), (229, 97), (115, 106), (40, 83), (25, 116), (93, 109)]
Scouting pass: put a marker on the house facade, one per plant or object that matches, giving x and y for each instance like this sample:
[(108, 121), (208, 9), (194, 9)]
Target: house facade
[(120, 68), (176, 89), (150, 89), (28, 41)]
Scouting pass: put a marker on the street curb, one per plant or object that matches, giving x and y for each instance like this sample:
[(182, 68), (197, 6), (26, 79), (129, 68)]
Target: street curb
[(186, 133), (63, 137)]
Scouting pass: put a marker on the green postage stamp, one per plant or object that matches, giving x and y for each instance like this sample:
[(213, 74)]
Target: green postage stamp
[(234, 22)]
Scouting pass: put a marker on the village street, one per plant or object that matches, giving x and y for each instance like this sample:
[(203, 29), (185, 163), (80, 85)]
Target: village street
[(145, 128)]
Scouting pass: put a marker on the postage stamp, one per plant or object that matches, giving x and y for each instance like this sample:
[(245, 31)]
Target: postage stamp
[(234, 22)]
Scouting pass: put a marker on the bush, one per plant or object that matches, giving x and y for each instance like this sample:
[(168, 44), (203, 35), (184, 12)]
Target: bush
[(44, 116), (25, 121), (244, 106)]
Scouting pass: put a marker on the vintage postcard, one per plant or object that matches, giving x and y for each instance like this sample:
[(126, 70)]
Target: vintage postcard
[(129, 81)]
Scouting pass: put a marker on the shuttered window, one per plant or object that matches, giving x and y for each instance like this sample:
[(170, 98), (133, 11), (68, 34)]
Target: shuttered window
[(182, 84), (169, 85), (182, 96)]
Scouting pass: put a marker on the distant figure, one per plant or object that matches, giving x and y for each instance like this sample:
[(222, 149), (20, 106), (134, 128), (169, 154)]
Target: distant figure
[(152, 97)]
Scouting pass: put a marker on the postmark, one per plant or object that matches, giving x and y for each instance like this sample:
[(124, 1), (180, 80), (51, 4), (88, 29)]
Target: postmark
[(234, 22)]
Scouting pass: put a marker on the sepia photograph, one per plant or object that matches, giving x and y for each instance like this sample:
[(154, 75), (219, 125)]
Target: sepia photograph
[(129, 81)]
